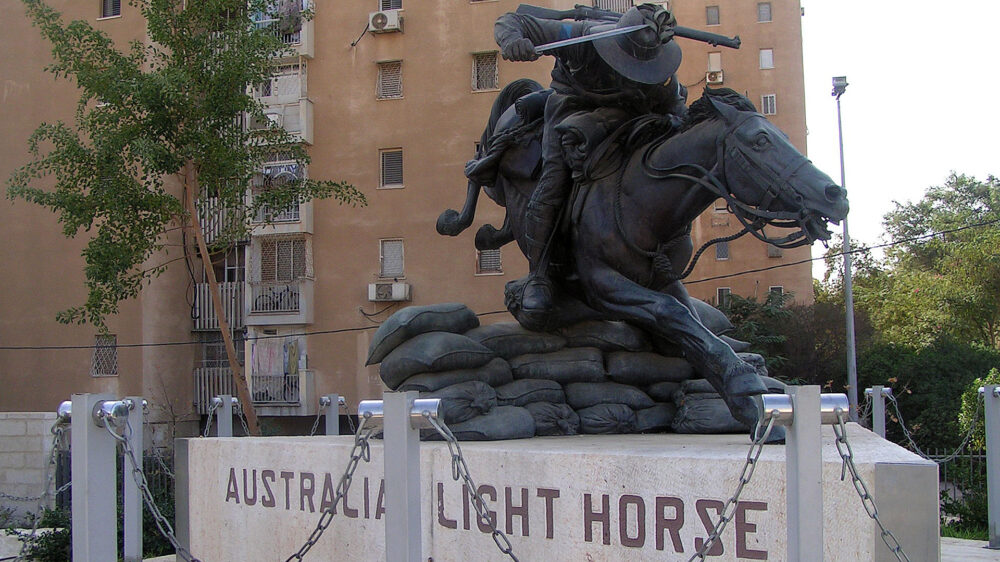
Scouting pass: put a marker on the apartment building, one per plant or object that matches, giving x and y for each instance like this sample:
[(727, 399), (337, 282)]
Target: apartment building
[(391, 96)]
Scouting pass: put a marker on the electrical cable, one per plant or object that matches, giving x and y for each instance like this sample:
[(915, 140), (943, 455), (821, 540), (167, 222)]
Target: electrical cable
[(362, 329)]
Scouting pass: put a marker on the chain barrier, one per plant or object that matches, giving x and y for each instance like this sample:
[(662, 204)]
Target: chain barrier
[(162, 523), (243, 421), (864, 416), (360, 452), (211, 412), (917, 450), (347, 412), (459, 469), (58, 430), (867, 500), (319, 414), (729, 509)]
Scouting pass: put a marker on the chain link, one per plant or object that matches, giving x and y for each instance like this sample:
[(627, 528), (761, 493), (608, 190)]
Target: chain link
[(864, 416), (867, 500), (319, 414), (350, 422), (459, 469), (211, 412), (58, 429), (729, 509), (917, 450), (166, 529), (243, 421), (360, 452)]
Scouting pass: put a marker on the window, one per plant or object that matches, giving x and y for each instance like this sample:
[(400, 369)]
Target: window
[(722, 251), (768, 104), (722, 295), (774, 251), (282, 260), (213, 350), (390, 257), (104, 362), (776, 290), (620, 6), (488, 261), (274, 176), (763, 12), (767, 58), (390, 80), (720, 206), (484, 71), (287, 80), (111, 8), (390, 5), (714, 62), (391, 167), (711, 15)]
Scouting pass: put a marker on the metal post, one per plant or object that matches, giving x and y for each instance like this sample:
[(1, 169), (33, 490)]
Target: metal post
[(402, 479), (131, 495), (878, 394), (93, 463), (331, 410), (991, 401), (804, 475), (224, 417)]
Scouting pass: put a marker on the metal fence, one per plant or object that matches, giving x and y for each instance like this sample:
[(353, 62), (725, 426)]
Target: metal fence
[(960, 474), (158, 468)]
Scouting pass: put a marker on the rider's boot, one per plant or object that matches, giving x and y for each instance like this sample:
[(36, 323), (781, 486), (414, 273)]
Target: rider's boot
[(538, 292)]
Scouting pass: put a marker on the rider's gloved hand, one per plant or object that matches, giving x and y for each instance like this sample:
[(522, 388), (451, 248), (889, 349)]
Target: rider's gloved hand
[(520, 50)]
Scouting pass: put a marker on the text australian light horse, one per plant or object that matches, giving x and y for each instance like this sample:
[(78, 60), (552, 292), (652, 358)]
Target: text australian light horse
[(627, 237)]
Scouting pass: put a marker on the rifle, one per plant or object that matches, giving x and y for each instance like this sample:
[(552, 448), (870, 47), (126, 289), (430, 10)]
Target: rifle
[(581, 12)]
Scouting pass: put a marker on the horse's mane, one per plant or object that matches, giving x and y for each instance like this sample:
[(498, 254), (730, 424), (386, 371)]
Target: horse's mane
[(702, 109)]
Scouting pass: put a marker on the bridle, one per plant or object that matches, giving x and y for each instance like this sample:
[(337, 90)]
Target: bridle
[(753, 218)]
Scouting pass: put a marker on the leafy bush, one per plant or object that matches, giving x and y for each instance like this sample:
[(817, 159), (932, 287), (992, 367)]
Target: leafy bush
[(51, 546)]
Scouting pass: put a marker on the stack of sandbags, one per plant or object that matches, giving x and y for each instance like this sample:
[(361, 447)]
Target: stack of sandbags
[(502, 381)]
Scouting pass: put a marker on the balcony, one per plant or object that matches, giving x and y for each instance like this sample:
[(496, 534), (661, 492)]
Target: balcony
[(277, 303), (294, 31), (273, 395), (295, 117), (232, 304)]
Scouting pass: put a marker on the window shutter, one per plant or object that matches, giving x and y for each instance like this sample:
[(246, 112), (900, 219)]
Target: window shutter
[(392, 167), (764, 12), (714, 62), (390, 80), (104, 362), (391, 258), (767, 58), (620, 6), (722, 251), (768, 104), (390, 4), (111, 8), (489, 261), (712, 15)]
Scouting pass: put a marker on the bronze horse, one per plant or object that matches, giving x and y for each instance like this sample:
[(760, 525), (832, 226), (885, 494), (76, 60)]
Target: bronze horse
[(627, 241)]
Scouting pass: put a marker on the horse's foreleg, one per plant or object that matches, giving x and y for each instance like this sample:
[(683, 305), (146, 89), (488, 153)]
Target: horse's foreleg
[(489, 238), (451, 222), (666, 316)]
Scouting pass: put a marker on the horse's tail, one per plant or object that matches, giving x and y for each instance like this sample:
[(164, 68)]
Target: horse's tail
[(451, 222)]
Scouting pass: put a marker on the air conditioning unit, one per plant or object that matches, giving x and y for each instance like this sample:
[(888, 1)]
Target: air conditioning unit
[(713, 77), (388, 292), (385, 21)]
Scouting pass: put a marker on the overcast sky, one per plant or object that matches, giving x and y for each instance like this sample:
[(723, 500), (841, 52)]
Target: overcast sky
[(923, 99)]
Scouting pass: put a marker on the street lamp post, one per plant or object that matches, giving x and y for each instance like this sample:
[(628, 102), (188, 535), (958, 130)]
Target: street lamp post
[(839, 87)]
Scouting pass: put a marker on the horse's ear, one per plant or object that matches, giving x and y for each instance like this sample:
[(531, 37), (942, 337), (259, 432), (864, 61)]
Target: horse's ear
[(725, 110)]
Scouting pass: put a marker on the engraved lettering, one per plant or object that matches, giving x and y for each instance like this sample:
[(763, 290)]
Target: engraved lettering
[(232, 489), (603, 516), (744, 528), (287, 477), (442, 519), (268, 497), (640, 521), (549, 495), (307, 487), (326, 498), (521, 511), (487, 490), (702, 507), (672, 526), (250, 500)]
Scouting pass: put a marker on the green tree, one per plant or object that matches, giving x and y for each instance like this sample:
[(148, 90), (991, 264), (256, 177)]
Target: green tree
[(158, 132)]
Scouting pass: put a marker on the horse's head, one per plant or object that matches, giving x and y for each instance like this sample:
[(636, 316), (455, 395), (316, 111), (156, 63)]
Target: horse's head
[(769, 181)]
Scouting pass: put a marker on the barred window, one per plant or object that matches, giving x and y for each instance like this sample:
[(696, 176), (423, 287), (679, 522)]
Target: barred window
[(484, 71), (390, 258), (488, 261), (712, 15), (390, 80), (213, 349), (282, 259), (769, 104), (767, 58), (763, 12), (111, 8), (104, 362), (776, 290), (391, 167), (722, 296), (390, 5), (722, 250)]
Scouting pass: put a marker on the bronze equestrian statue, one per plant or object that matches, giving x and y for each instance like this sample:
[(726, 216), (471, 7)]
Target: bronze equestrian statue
[(627, 178)]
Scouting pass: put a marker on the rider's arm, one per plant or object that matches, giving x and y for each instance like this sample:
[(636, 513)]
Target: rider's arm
[(517, 34)]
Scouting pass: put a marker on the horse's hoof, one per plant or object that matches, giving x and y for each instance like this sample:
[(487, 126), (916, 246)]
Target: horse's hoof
[(743, 408), (448, 223), (743, 380)]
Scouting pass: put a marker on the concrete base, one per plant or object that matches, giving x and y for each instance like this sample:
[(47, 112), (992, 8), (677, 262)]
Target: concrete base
[(621, 497)]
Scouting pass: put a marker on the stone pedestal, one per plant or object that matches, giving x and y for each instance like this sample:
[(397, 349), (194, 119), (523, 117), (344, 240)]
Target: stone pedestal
[(620, 497)]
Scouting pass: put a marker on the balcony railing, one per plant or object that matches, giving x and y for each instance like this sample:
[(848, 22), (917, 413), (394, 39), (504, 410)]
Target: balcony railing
[(232, 304), (275, 297), (276, 390), (210, 382), (288, 214)]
